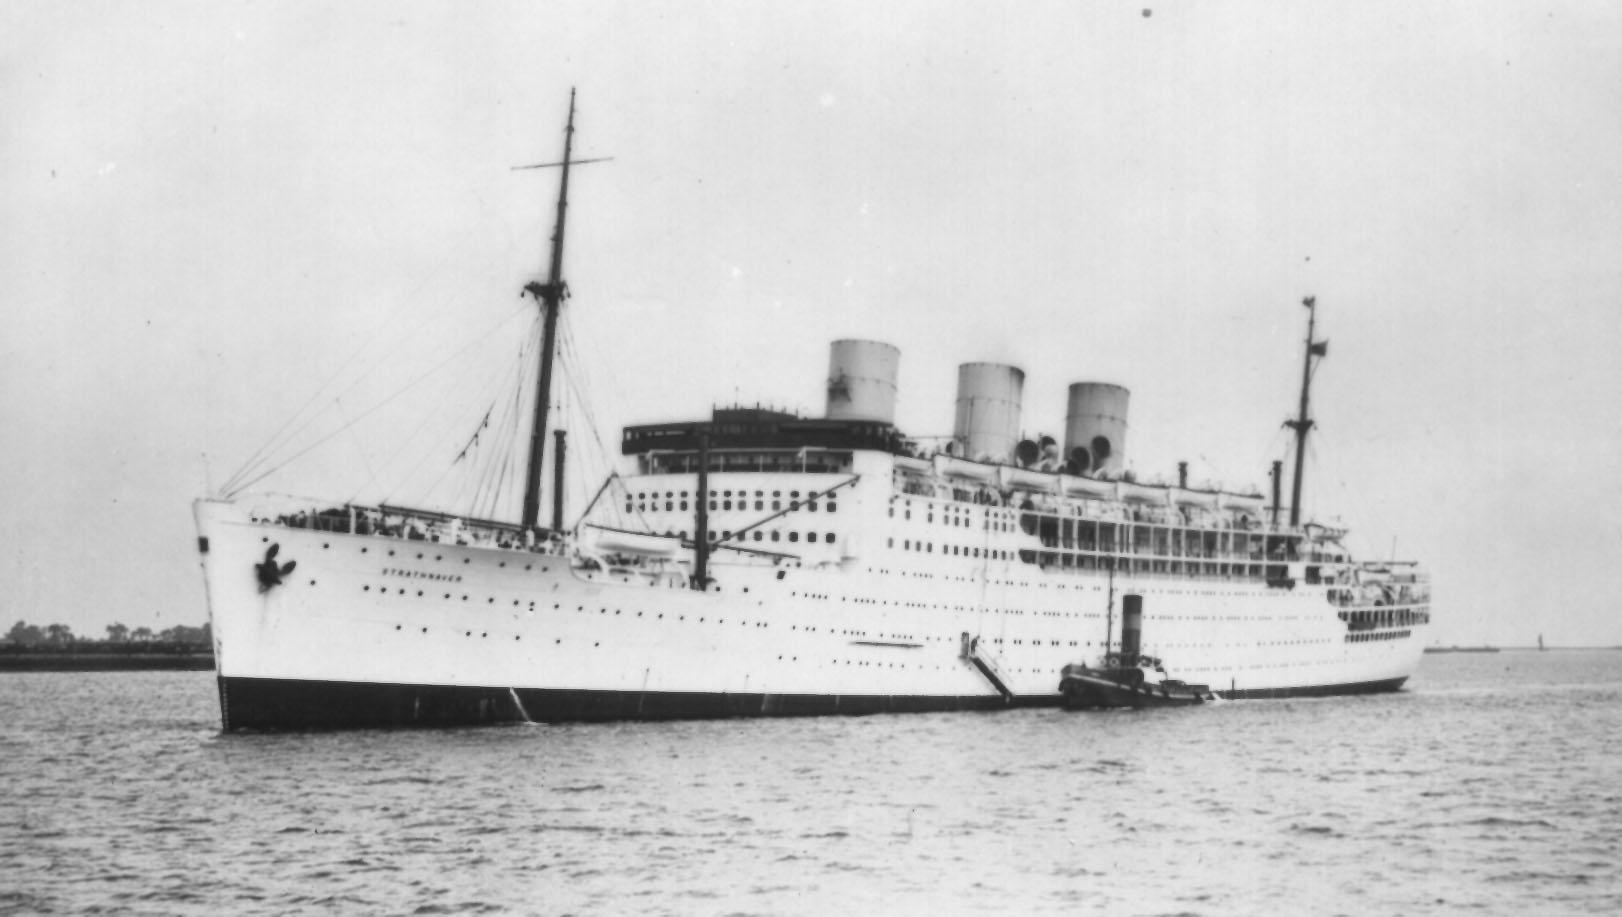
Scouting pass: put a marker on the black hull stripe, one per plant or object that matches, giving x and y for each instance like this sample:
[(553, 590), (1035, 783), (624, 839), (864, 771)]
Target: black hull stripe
[(270, 704), (1361, 687)]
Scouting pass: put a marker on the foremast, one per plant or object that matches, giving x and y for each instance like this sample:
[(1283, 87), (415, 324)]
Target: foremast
[(549, 296), (1303, 422)]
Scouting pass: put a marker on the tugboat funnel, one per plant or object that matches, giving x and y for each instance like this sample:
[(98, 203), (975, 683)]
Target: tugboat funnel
[(1131, 626)]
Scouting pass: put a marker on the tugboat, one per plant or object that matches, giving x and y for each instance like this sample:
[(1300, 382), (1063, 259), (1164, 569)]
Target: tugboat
[(1127, 678)]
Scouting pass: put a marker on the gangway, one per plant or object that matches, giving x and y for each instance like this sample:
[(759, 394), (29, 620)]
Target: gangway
[(987, 665)]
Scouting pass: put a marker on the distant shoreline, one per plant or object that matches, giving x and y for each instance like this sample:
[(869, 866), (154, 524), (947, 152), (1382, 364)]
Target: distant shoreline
[(105, 657), (1516, 649)]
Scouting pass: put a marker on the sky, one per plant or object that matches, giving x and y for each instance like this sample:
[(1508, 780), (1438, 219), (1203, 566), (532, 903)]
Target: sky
[(219, 220)]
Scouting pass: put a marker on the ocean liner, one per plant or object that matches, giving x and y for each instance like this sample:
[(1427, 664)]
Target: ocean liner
[(779, 565)]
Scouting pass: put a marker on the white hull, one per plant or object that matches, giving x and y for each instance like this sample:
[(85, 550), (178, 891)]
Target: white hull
[(880, 630)]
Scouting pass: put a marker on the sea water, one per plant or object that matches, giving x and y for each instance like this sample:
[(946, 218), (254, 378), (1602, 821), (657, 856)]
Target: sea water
[(1492, 785)]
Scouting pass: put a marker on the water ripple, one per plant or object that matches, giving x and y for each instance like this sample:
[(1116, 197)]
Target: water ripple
[(1471, 793)]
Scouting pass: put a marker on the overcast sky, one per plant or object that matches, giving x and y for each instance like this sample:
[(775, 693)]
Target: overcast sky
[(210, 211)]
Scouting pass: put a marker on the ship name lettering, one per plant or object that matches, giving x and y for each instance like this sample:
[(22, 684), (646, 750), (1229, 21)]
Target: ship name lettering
[(418, 574)]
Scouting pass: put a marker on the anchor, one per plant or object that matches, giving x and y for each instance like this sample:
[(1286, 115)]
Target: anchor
[(270, 575)]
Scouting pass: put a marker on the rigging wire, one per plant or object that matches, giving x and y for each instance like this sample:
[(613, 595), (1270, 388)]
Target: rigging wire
[(504, 382), (580, 381), (615, 403), (359, 446), (277, 440), (427, 416), (495, 481), (241, 485), (273, 441), (293, 426), (1365, 507)]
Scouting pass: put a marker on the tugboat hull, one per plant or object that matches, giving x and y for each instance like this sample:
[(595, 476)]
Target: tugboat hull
[(1091, 689)]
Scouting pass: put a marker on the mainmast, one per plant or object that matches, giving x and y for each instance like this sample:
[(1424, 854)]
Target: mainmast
[(1303, 423), (550, 296)]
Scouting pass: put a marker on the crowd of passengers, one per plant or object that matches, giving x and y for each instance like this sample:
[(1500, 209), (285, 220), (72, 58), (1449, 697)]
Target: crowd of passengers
[(410, 528), (1091, 509)]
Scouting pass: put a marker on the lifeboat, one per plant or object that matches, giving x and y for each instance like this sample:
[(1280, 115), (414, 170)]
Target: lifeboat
[(641, 544), (1142, 493), (950, 467), (1028, 479), (1249, 503), (1088, 487), (1199, 498), (909, 463)]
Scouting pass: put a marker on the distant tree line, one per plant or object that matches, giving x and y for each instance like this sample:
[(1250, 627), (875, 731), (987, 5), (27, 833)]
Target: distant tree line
[(60, 635)]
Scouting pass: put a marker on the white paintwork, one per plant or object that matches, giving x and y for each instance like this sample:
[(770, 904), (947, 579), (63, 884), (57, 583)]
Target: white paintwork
[(863, 616)]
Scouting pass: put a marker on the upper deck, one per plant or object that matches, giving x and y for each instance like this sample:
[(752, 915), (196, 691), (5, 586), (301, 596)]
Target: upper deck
[(760, 428)]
